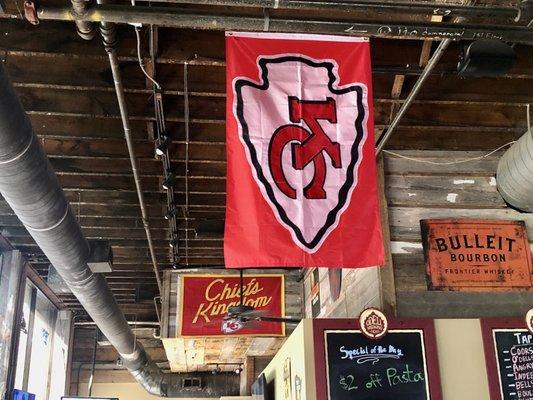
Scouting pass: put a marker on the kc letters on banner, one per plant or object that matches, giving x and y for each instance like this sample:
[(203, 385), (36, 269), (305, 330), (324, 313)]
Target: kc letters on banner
[(301, 178)]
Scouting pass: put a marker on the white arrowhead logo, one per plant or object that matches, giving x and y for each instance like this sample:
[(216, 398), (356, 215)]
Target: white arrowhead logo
[(303, 136)]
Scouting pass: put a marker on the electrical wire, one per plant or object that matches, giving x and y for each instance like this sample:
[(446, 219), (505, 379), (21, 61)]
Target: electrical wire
[(141, 64), (528, 121), (448, 162)]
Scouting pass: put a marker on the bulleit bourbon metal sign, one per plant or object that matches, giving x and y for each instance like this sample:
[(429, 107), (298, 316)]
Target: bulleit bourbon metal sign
[(465, 254)]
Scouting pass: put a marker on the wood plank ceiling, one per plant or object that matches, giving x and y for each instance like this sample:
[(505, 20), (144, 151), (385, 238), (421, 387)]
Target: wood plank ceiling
[(66, 87)]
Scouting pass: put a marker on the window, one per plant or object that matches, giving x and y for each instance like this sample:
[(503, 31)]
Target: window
[(42, 354)]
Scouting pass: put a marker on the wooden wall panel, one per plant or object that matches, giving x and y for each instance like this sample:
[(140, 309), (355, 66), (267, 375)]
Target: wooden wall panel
[(360, 289), (418, 191)]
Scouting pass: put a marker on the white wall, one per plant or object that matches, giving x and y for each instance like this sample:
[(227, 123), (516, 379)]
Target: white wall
[(299, 350), (463, 372)]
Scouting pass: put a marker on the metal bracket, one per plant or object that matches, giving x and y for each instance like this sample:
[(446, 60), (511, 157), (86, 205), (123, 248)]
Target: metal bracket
[(30, 12)]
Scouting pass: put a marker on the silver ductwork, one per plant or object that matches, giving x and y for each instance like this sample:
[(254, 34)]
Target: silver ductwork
[(515, 174), (30, 186)]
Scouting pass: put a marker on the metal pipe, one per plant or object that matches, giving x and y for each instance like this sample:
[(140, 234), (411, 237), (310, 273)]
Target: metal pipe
[(93, 364), (131, 323), (109, 38), (414, 92), (85, 29), (31, 188), (29, 185), (368, 6), (286, 320), (78, 380), (515, 173), (183, 18)]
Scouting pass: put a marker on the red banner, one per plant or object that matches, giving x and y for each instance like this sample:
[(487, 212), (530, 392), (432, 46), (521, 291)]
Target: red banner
[(301, 177), (204, 300)]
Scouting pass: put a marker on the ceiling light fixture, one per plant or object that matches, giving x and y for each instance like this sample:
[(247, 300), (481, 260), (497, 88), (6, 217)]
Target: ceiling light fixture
[(169, 181), (173, 242), (164, 143), (171, 212)]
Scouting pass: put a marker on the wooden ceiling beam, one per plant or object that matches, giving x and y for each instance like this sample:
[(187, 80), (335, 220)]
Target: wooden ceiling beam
[(198, 185), (15, 229), (126, 268), (57, 125), (413, 126), (448, 87), (205, 66), (104, 104), (197, 47), (82, 147), (196, 244), (208, 259), (16, 232), (148, 167), (130, 256), (92, 233)]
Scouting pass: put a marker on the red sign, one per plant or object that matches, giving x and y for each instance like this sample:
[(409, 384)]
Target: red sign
[(301, 178), (204, 301), (477, 255)]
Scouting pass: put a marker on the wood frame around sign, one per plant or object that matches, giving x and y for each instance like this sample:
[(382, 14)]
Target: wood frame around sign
[(437, 280), (430, 344), (487, 326)]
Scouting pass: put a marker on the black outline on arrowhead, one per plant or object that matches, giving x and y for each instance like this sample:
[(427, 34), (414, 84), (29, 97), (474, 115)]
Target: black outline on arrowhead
[(345, 188)]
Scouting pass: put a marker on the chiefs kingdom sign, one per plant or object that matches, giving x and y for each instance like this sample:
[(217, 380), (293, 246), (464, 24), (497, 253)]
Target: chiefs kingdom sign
[(203, 302)]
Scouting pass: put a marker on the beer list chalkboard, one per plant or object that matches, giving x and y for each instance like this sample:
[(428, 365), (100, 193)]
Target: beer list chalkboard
[(392, 368), (514, 356)]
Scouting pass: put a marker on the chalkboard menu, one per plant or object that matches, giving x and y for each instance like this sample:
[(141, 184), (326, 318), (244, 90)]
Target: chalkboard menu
[(512, 363), (392, 368), (509, 356)]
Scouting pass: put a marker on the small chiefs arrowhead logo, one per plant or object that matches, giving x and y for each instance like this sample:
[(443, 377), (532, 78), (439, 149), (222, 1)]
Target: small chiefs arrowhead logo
[(303, 135), (231, 325)]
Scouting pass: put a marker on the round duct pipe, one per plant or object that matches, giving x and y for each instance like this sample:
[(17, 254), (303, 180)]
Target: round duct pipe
[(515, 174), (31, 188)]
